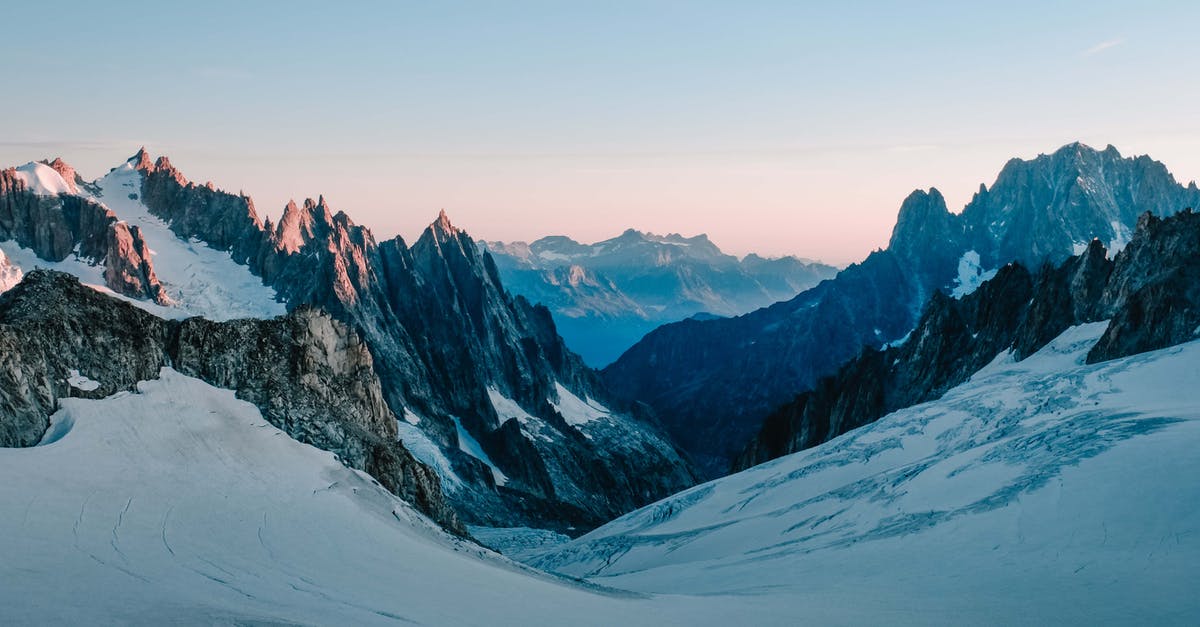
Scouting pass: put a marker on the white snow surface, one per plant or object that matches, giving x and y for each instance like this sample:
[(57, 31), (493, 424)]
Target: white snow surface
[(81, 382), (180, 505), (42, 179), (1039, 492), (10, 273), (970, 274), (507, 409), (469, 445), (429, 453), (201, 281), (578, 411)]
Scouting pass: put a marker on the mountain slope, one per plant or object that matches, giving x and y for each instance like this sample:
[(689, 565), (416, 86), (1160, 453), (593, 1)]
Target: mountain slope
[(607, 295), (1046, 490), (712, 381), (446, 339)]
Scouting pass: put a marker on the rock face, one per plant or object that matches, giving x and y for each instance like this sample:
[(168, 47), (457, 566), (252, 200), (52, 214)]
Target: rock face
[(449, 345), (711, 381), (1150, 292), (607, 295), (56, 226), (309, 375)]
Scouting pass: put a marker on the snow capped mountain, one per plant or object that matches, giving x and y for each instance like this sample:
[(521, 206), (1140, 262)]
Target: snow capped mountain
[(607, 295), (439, 324), (1045, 490), (711, 382)]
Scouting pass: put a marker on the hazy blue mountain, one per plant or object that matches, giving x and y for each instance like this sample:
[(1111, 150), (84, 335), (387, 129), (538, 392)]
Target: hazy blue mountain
[(605, 296)]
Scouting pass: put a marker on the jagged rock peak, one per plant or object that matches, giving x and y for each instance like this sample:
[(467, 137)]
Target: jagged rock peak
[(442, 229), (141, 160), (923, 216)]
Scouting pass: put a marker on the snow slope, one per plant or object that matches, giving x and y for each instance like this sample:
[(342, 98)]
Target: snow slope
[(179, 504), (1043, 492), (42, 179), (201, 281)]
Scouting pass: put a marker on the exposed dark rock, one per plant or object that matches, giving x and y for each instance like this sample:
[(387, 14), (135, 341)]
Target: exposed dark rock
[(1154, 292), (1151, 292), (442, 331), (309, 375), (711, 381), (55, 227)]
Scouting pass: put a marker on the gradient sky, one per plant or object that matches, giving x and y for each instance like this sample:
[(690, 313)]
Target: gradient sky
[(775, 127)]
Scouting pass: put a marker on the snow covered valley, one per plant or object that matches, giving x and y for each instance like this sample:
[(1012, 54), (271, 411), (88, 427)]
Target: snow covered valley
[(1042, 491)]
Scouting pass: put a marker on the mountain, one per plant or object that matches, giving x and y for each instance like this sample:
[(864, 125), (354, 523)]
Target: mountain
[(712, 381), (1047, 490), (1150, 292), (518, 430), (605, 296)]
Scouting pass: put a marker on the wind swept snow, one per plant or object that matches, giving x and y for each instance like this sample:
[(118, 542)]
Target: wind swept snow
[(1043, 491)]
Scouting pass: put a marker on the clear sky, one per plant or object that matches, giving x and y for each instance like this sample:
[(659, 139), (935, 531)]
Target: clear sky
[(775, 127)]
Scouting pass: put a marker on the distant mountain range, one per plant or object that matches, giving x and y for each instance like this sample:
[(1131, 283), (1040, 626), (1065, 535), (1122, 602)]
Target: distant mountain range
[(605, 296), (713, 381)]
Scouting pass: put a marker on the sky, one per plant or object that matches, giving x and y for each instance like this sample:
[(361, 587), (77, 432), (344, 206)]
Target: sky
[(774, 127)]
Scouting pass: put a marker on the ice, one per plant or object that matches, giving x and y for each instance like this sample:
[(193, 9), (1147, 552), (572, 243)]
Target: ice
[(970, 275), (578, 411), (469, 445), (429, 453), (81, 382), (1044, 491)]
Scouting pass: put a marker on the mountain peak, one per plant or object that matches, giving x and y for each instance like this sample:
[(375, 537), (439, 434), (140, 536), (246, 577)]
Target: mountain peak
[(70, 177), (442, 224), (141, 160)]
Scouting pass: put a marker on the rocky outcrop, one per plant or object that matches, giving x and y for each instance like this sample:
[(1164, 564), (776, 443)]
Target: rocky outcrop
[(1150, 293), (311, 376), (55, 227), (1154, 291), (712, 381)]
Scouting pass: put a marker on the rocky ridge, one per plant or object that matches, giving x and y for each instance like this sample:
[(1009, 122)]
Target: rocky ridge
[(712, 381), (56, 226), (310, 375), (449, 344), (1150, 292)]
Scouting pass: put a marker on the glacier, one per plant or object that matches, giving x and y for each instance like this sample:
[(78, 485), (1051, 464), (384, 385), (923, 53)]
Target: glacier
[(1044, 490)]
